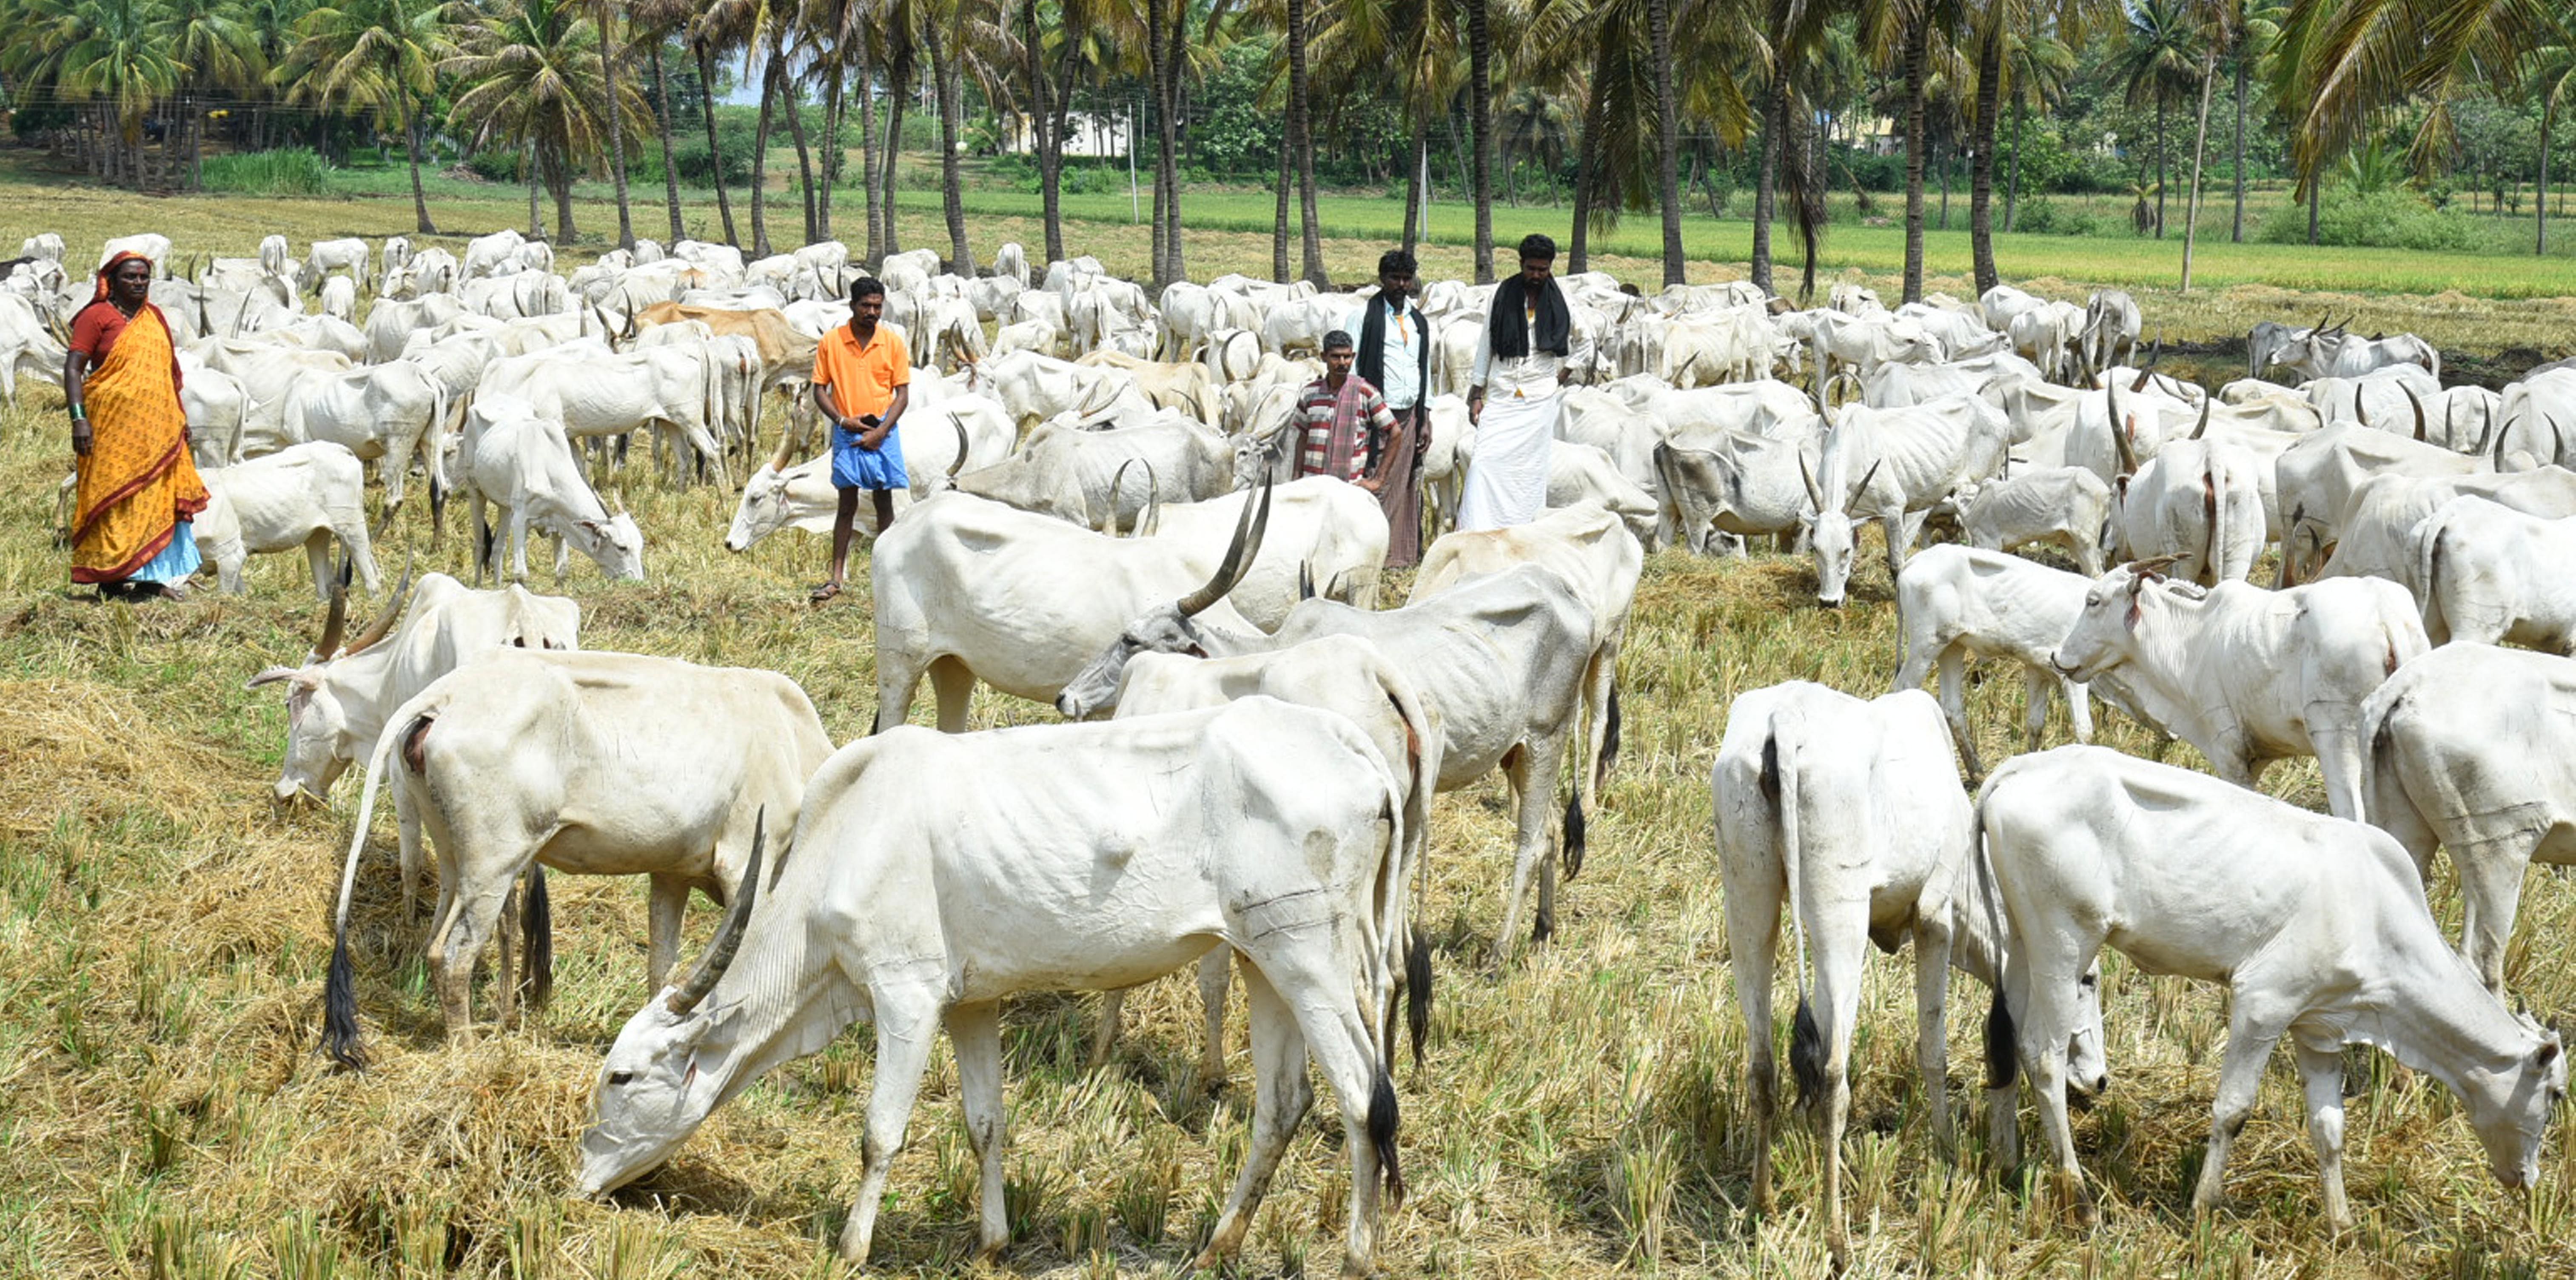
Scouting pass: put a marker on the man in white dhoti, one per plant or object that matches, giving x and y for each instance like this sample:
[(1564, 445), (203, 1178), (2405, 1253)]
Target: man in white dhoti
[(1529, 339)]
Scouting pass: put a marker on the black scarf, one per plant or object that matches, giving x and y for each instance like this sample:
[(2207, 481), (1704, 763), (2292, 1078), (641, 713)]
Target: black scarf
[(1509, 329), (1372, 354)]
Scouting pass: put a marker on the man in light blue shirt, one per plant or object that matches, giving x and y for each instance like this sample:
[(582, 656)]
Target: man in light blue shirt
[(1395, 357)]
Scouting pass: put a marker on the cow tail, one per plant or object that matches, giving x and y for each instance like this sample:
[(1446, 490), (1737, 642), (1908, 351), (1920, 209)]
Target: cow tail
[(1609, 740), (1416, 843), (1780, 769), (341, 1037), (537, 928), (2003, 1058), (2428, 573), (2211, 559)]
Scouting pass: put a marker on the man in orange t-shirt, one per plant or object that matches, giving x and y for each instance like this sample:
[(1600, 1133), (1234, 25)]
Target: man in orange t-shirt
[(862, 383)]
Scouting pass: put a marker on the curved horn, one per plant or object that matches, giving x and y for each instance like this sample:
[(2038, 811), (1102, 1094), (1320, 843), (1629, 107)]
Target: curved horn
[(1815, 495), (728, 940), (1869, 475), (2502, 431), (2203, 428), (1116, 479), (959, 462), (2557, 442), (2324, 320), (2486, 425), (780, 460), (1248, 530), (383, 625), (2119, 430), (1151, 517), (2419, 409), (334, 622), (2358, 414)]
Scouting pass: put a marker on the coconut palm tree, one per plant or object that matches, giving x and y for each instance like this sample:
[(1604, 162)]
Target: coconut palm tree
[(118, 60), (1480, 131), (1906, 32), (216, 48), (712, 33), (381, 57), (653, 24), (2161, 61), (2036, 70), (1301, 143), (604, 14), (529, 75), (2000, 29), (1796, 30), (2550, 70)]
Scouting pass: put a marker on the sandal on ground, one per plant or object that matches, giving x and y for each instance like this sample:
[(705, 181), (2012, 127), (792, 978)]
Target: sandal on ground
[(824, 592)]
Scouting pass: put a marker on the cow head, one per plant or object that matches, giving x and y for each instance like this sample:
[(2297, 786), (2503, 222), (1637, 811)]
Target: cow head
[(1831, 537), (1170, 628), (2113, 607), (674, 1060), (2510, 1108), (319, 743), (616, 543)]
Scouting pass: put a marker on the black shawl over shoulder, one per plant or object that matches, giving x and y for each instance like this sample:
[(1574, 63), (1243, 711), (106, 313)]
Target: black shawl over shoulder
[(1372, 353), (1510, 329)]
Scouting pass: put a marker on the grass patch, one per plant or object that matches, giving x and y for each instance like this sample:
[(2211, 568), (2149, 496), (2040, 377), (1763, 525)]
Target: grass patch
[(293, 171)]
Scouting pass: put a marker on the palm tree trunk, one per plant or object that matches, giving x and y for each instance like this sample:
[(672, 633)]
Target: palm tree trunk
[(1480, 128), (1051, 175), (715, 153), (411, 147), (831, 159), (558, 170), (1279, 221), (952, 104), (1587, 165), (1041, 129), (2199, 141), (1175, 60), (2162, 177), (1918, 42), (1161, 254), (791, 103), (2236, 230), (606, 20), (670, 172), (1301, 144), (2012, 181), (1668, 124), (1420, 153), (536, 220), (2540, 205), (1981, 166), (2316, 190), (760, 159), (898, 97), (1766, 180), (868, 155)]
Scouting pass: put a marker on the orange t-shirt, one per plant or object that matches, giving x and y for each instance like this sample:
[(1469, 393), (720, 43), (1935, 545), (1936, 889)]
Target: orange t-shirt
[(862, 380)]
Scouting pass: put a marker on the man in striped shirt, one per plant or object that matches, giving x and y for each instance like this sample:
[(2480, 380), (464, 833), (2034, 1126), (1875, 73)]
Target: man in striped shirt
[(1333, 414)]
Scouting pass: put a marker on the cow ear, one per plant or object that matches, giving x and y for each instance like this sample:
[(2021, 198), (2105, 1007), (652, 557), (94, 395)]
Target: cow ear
[(2548, 1052)]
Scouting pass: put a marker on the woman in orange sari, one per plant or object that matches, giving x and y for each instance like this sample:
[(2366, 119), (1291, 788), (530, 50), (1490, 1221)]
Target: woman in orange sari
[(138, 486)]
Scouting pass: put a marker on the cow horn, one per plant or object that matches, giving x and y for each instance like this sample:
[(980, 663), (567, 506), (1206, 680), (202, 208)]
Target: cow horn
[(2486, 427), (2119, 432), (2358, 414), (2503, 430), (1116, 479), (2324, 321), (1238, 557), (2557, 442), (2153, 566), (1815, 495), (728, 940), (377, 630), (335, 621), (2419, 409), (786, 449), (1866, 476), (959, 462), (2203, 428)]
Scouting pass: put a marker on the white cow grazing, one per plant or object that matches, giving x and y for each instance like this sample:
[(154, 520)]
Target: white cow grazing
[(274, 254), (323, 257), (2315, 480), (2067, 506), (304, 496), (1961, 602), (1324, 537), (913, 934), (2489, 574), (523, 463), (610, 764), (1849, 814), (2317, 925), (2249, 676), (1344, 675), (596, 392), (1071, 473), (2471, 750), (2377, 538), (29, 341), (389, 414), (1012, 262)]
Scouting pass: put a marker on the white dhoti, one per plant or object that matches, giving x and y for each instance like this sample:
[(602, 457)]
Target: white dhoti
[(1507, 478)]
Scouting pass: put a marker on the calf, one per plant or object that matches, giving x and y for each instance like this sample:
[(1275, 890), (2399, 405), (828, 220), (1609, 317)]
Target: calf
[(2492, 575), (1959, 602), (305, 496), (2317, 925), (1849, 814), (2246, 675)]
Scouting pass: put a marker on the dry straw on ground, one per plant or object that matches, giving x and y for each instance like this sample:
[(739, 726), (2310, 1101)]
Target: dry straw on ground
[(163, 934)]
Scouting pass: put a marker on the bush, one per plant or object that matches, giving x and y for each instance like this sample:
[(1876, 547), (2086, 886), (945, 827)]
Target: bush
[(294, 171), (2383, 220), (2039, 215)]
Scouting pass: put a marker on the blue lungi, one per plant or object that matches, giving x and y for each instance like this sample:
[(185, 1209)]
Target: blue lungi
[(880, 468)]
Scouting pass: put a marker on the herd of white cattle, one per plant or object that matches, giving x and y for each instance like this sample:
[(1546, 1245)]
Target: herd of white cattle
[(1256, 744)]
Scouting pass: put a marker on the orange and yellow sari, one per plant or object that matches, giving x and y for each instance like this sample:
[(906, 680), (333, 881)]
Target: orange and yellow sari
[(138, 482)]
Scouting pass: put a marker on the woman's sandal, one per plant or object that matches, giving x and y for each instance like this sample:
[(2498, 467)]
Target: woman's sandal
[(823, 592)]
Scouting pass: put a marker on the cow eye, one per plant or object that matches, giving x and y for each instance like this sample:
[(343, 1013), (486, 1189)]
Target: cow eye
[(2092, 598), (621, 1077)]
